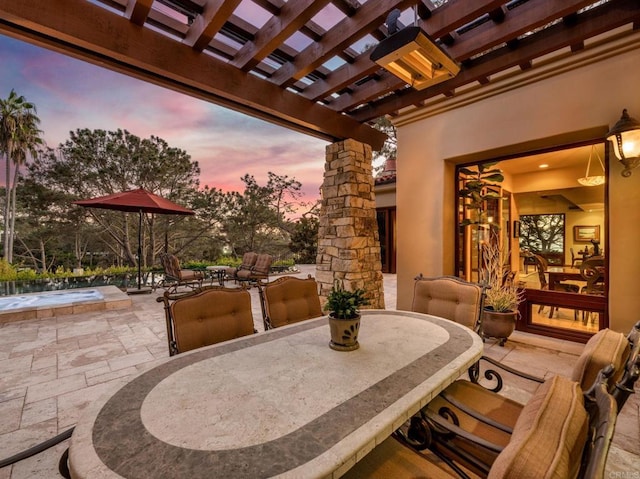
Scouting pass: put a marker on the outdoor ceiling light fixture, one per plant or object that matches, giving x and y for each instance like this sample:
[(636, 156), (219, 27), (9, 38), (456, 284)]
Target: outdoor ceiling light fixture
[(625, 136), (412, 56), (594, 180)]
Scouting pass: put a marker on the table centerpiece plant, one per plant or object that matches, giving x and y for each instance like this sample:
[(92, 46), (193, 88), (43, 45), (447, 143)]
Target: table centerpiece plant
[(344, 316)]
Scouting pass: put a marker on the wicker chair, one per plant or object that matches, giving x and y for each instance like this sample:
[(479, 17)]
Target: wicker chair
[(450, 298), (288, 300), (562, 432), (206, 316)]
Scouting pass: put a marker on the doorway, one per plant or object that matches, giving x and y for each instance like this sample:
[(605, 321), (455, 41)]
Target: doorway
[(555, 231)]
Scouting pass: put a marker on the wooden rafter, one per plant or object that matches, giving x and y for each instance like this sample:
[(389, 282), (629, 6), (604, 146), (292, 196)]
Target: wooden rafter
[(138, 10), (336, 39), (589, 24), (279, 27), (114, 40), (205, 26)]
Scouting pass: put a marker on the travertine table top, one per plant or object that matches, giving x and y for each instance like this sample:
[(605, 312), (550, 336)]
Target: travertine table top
[(275, 404)]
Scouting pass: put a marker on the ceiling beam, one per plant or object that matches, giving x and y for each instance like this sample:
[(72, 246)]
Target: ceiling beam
[(589, 24), (138, 10), (522, 19), (278, 28), (348, 30), (443, 20), (205, 26), (114, 42)]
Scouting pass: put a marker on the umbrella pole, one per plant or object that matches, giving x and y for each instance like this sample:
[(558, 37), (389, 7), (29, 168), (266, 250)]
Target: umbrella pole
[(139, 251)]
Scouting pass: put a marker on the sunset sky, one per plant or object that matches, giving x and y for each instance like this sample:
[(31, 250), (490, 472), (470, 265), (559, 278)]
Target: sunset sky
[(71, 94)]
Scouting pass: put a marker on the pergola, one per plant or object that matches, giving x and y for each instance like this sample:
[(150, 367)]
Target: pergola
[(305, 64)]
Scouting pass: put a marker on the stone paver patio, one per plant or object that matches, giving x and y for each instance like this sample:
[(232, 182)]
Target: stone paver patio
[(51, 369)]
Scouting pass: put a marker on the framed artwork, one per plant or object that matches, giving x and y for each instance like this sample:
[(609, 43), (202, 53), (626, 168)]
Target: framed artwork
[(585, 234), (516, 229)]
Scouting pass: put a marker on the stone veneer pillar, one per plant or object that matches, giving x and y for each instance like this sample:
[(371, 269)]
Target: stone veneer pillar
[(348, 242)]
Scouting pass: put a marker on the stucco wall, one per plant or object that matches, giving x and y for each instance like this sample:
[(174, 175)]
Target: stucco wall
[(577, 103)]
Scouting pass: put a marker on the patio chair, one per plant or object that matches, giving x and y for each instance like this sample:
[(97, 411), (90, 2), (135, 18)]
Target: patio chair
[(449, 297), (562, 432), (206, 316), (248, 260), (174, 276), (288, 300), (494, 417), (258, 272)]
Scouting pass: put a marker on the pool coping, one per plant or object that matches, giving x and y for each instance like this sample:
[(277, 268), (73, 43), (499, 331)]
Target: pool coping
[(112, 298)]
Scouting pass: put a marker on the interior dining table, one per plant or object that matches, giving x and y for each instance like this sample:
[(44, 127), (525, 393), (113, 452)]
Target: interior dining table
[(279, 403), (559, 273)]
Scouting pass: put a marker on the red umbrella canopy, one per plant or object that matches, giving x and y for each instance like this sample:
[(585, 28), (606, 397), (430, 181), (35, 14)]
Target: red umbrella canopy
[(136, 200)]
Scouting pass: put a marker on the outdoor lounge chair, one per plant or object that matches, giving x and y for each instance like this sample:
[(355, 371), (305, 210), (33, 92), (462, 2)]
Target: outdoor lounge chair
[(562, 432), (258, 272), (288, 300), (248, 260), (174, 276), (448, 297), (206, 316)]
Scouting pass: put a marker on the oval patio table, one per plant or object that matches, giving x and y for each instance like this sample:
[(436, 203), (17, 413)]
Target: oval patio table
[(274, 404)]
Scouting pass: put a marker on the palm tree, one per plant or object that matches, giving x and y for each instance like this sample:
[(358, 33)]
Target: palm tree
[(19, 136)]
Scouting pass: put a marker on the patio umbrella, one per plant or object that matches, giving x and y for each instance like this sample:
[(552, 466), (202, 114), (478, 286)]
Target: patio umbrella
[(139, 200)]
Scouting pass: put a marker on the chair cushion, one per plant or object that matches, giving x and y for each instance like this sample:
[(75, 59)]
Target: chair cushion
[(604, 348), (549, 435), (211, 316), (448, 298), (263, 264), (289, 300)]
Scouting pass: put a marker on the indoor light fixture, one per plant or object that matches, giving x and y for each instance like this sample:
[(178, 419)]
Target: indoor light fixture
[(594, 180), (625, 136), (412, 56)]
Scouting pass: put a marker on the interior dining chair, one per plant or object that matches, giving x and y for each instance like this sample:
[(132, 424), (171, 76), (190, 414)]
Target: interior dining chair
[(206, 316), (494, 417), (450, 298), (289, 300), (563, 432), (541, 268), (574, 259)]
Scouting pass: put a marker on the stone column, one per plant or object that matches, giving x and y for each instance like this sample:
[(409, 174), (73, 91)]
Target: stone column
[(348, 242)]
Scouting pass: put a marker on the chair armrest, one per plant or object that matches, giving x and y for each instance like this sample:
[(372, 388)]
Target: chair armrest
[(493, 375), (445, 429), (475, 414)]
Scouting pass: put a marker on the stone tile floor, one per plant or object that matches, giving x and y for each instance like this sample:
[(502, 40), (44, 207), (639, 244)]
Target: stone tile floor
[(51, 369)]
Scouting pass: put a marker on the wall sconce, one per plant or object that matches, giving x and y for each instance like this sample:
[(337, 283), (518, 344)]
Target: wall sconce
[(413, 57), (625, 136)]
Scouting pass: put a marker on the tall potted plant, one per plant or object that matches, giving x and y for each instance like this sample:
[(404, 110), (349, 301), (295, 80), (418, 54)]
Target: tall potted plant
[(344, 316), (502, 295)]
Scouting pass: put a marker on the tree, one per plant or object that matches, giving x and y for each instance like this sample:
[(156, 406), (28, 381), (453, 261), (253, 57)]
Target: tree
[(304, 239), (96, 162), (258, 217), (19, 137), (390, 146)]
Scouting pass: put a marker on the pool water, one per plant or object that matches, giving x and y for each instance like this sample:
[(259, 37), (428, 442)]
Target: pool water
[(49, 299)]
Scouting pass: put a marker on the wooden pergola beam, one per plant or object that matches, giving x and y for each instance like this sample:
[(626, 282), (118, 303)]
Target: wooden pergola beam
[(278, 28), (338, 38), (115, 42), (138, 10), (589, 24), (205, 26)]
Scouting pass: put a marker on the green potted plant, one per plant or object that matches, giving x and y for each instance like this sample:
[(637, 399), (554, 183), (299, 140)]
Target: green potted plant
[(344, 316), (502, 296)]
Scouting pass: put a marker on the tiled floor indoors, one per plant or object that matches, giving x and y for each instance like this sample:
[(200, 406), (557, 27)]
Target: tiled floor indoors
[(51, 369)]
